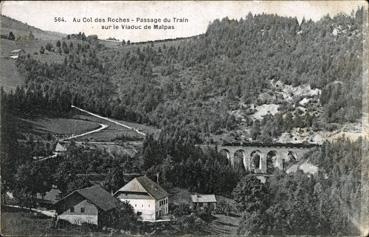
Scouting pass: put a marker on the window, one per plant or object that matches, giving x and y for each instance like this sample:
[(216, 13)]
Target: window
[(82, 210), (71, 209)]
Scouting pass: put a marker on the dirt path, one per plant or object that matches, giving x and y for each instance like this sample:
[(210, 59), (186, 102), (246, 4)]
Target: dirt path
[(110, 120), (102, 127), (50, 213), (47, 157)]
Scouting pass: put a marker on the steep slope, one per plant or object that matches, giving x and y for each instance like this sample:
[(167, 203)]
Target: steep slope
[(21, 29), (26, 37)]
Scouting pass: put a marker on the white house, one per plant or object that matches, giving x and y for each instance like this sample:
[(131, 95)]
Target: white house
[(148, 199)]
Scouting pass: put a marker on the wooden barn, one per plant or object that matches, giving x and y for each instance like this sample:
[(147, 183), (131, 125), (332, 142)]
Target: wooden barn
[(203, 200), (90, 205)]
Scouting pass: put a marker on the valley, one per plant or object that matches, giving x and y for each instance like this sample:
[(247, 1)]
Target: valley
[(259, 118)]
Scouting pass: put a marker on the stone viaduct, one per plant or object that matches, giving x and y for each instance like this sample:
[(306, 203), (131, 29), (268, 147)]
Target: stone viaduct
[(263, 158)]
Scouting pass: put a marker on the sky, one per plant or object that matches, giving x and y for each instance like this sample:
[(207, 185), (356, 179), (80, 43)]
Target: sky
[(41, 14)]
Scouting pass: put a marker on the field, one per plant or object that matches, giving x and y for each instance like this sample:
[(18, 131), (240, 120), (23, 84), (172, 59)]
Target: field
[(77, 123), (224, 225), (60, 126), (17, 222), (114, 131)]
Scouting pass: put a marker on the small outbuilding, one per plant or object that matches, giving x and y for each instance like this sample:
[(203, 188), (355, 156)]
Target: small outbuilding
[(60, 149), (14, 54), (203, 200)]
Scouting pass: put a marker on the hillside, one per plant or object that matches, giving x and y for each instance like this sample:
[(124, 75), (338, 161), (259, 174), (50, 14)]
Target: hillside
[(263, 78), (10, 78), (21, 29)]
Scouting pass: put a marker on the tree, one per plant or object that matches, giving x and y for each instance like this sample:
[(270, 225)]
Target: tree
[(49, 47), (253, 223), (152, 153), (255, 130), (65, 48), (31, 178), (123, 217), (115, 179), (42, 50), (251, 194), (58, 44), (31, 36), (11, 36)]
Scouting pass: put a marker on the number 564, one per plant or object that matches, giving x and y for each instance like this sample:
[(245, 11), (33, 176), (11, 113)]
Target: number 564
[(59, 19)]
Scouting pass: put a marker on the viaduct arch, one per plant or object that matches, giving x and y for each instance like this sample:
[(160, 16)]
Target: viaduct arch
[(263, 158)]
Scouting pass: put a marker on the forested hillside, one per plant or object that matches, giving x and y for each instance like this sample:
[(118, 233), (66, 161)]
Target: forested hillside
[(329, 203), (200, 84)]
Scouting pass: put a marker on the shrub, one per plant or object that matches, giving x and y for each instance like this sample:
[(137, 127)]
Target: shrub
[(49, 46)]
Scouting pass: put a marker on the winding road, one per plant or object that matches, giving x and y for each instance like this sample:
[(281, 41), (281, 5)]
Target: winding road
[(110, 120), (102, 127)]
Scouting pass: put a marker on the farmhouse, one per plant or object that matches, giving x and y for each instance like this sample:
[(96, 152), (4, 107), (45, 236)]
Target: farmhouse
[(14, 54), (91, 205), (148, 199), (60, 149), (203, 200)]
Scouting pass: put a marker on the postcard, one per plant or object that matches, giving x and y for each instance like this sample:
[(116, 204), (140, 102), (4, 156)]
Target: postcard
[(172, 118)]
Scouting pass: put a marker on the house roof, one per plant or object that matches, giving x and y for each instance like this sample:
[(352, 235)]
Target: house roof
[(17, 51), (203, 198), (59, 147), (97, 196), (143, 184)]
